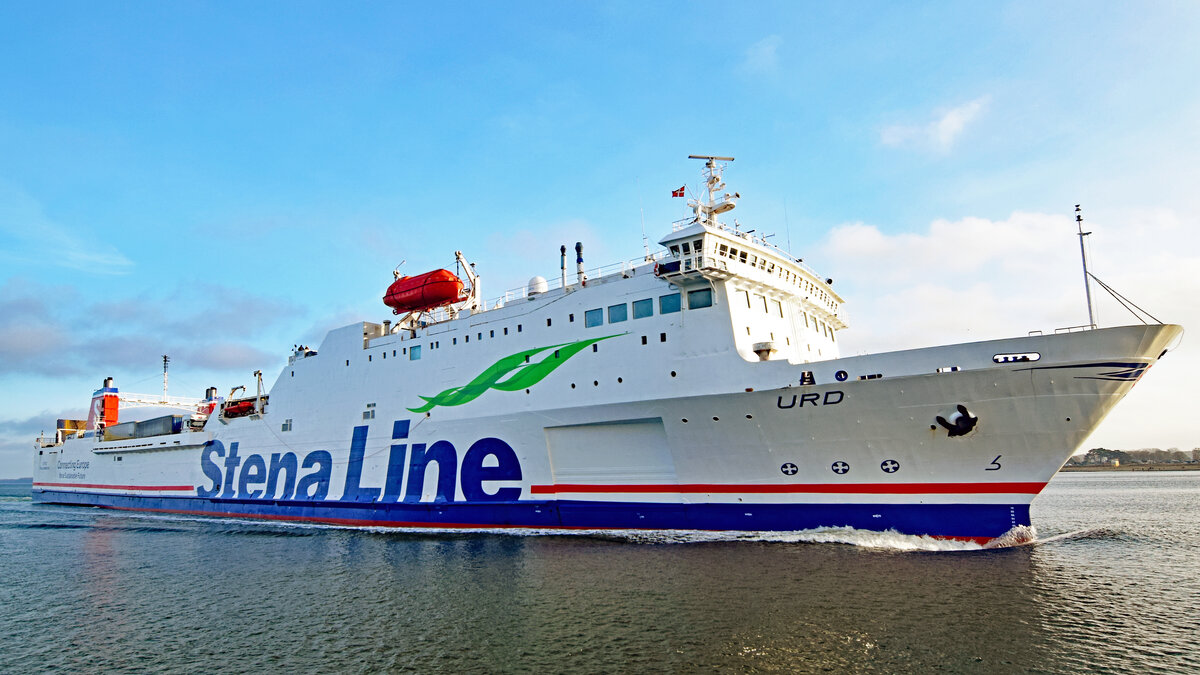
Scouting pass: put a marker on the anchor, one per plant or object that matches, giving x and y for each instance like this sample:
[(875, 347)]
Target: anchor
[(960, 423)]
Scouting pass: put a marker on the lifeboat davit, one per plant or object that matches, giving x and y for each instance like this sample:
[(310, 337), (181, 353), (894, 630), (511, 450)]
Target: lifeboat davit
[(424, 291)]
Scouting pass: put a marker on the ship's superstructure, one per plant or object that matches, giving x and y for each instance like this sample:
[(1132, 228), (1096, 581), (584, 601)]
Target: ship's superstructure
[(699, 388)]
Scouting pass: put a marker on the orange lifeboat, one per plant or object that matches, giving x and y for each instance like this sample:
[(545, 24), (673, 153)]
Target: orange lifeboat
[(424, 291), (239, 408)]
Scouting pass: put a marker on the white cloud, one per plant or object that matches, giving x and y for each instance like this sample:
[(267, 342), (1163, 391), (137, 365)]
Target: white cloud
[(28, 235), (977, 279), (17, 436), (941, 133), (214, 334), (762, 56)]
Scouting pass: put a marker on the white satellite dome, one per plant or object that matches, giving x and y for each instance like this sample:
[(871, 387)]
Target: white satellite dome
[(538, 285)]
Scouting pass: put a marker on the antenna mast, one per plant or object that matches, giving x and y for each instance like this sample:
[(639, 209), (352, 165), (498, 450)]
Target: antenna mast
[(642, 211), (706, 212), (1087, 287), (166, 360)]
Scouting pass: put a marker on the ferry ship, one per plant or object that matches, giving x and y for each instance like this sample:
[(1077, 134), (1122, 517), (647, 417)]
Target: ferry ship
[(698, 388)]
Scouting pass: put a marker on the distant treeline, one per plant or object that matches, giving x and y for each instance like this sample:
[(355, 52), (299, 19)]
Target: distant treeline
[(1145, 456)]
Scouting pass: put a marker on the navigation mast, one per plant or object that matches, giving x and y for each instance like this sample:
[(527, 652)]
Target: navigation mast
[(706, 212), (1087, 286)]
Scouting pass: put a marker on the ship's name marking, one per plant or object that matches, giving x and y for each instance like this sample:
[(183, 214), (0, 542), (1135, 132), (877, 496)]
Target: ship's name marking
[(830, 398)]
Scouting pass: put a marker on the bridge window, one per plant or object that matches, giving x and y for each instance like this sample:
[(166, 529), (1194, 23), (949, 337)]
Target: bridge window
[(668, 304), (414, 353), (686, 248), (593, 318), (618, 313), (643, 308), (700, 298)]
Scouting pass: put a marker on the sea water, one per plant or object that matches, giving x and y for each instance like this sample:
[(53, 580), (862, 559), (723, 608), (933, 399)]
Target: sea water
[(1110, 584)]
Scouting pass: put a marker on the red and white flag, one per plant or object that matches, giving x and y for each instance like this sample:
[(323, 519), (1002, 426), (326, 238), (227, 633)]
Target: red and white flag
[(679, 192)]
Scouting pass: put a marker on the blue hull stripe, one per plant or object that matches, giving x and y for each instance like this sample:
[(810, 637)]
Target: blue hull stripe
[(959, 521)]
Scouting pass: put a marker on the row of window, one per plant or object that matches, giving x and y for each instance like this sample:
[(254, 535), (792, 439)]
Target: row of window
[(753, 260), (667, 304), (769, 267)]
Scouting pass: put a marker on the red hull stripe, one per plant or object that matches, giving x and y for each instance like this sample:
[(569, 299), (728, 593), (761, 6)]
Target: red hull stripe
[(100, 486), (816, 488)]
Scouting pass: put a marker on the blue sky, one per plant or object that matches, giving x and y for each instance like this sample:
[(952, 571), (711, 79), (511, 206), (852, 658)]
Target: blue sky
[(218, 181)]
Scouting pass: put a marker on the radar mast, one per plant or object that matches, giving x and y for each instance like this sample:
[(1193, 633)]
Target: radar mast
[(706, 212)]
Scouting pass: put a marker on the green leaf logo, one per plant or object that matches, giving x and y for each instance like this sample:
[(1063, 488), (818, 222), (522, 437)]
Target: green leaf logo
[(511, 373)]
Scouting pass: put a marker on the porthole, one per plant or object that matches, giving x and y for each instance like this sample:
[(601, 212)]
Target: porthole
[(572, 385), (672, 373), (716, 419), (749, 417), (620, 380), (595, 383), (684, 420)]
